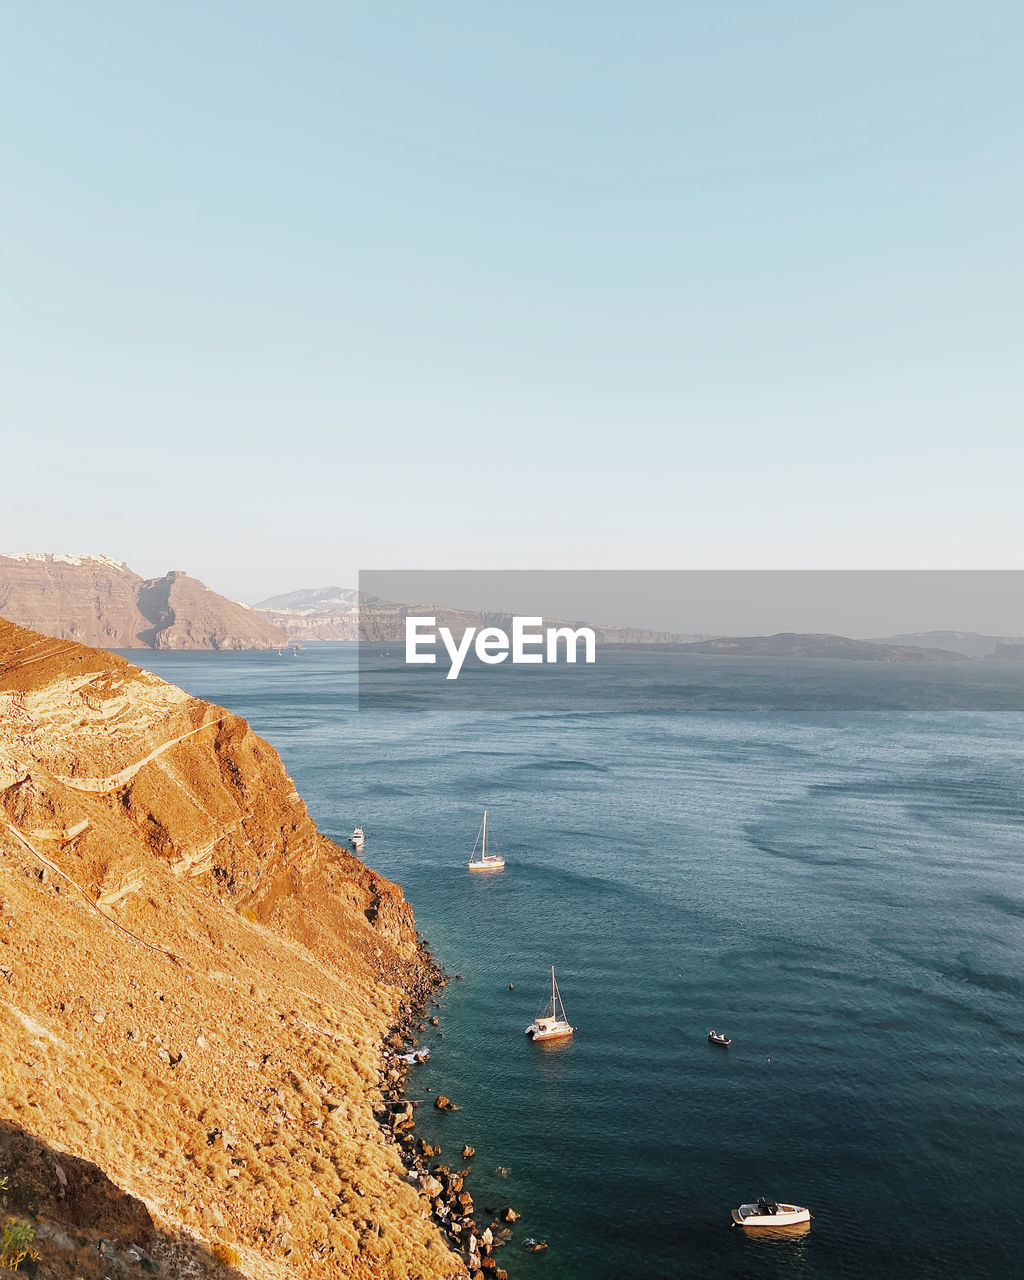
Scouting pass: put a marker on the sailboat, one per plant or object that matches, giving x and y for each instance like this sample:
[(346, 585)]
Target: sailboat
[(552, 1024), (486, 861)]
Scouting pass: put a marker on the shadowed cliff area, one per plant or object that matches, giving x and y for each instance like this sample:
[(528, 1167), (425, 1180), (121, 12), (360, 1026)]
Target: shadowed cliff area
[(85, 1225), (194, 983)]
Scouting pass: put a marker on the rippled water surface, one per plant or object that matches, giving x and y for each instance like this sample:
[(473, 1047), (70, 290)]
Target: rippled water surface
[(840, 891)]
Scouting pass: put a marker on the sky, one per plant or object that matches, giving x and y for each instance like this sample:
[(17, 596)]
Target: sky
[(294, 290)]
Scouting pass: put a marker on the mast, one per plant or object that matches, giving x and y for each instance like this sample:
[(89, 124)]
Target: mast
[(483, 850)]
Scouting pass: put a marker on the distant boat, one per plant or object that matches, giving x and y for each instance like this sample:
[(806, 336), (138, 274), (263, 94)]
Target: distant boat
[(769, 1213), (486, 861), (358, 838), (552, 1024), (717, 1037)]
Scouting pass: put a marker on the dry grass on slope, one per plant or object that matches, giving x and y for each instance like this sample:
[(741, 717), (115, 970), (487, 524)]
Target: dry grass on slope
[(210, 1113)]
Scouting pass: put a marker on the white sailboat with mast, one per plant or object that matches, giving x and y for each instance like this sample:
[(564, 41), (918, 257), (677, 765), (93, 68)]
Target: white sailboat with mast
[(486, 861), (552, 1024)]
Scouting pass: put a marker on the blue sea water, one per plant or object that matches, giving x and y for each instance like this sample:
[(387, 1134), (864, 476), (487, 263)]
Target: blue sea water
[(835, 879)]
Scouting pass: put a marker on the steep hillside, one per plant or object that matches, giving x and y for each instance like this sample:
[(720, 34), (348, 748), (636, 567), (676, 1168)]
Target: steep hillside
[(195, 986), (186, 614), (101, 602)]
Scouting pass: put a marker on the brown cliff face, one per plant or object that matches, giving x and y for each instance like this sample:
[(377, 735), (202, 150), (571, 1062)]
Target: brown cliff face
[(303, 625), (185, 614), (91, 599), (100, 602), (194, 988)]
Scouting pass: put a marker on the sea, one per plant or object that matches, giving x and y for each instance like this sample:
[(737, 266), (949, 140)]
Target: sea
[(823, 860)]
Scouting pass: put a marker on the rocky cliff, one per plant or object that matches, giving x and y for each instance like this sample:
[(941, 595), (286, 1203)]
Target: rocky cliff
[(185, 614), (92, 599), (316, 613), (194, 990), (101, 602)]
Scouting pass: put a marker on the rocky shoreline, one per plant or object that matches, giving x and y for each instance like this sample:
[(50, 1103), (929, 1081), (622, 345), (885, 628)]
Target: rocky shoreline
[(451, 1203)]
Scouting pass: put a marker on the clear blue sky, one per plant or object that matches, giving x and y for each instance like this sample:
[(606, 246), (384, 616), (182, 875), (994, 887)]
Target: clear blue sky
[(294, 289)]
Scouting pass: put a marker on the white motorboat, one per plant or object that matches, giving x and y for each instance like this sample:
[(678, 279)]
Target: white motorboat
[(358, 837), (770, 1213), (552, 1024), (719, 1037), (486, 861)]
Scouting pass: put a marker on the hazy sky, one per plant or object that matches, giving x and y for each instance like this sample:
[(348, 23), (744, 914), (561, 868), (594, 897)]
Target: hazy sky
[(291, 290)]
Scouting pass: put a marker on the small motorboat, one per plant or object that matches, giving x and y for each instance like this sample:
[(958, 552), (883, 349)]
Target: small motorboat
[(770, 1213), (358, 838), (718, 1037)]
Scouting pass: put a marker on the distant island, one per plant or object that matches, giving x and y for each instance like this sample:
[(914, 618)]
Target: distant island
[(334, 613), (315, 613), (969, 643), (793, 644)]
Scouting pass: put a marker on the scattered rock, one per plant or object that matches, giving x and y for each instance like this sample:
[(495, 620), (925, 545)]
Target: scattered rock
[(61, 1239)]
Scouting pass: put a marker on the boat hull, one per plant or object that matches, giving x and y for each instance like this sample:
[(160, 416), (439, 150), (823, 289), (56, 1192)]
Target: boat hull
[(788, 1215), (554, 1033), (497, 865)]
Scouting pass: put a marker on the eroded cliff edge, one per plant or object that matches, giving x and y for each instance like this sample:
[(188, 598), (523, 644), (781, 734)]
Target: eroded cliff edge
[(194, 988)]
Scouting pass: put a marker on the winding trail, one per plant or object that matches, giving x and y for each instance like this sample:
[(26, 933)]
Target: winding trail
[(115, 781), (27, 844)]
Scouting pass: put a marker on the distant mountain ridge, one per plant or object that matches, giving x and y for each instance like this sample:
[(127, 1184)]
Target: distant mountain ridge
[(99, 601), (314, 613), (317, 599), (333, 613), (793, 644), (970, 643)]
